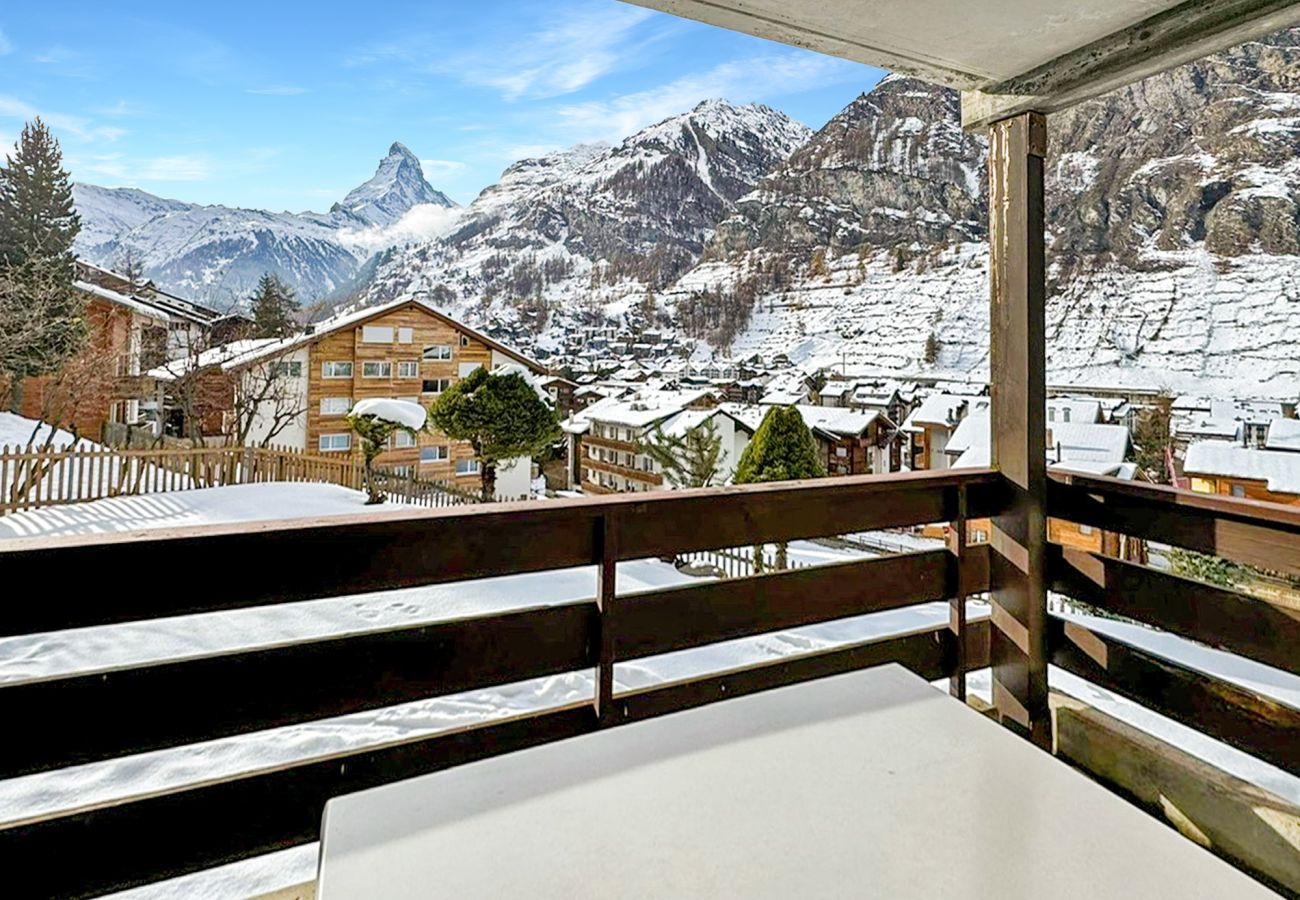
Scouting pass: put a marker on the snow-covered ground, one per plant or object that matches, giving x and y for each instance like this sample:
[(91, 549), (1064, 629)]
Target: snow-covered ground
[(93, 649)]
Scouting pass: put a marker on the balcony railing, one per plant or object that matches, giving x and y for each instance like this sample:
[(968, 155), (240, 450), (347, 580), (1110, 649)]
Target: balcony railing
[(98, 716)]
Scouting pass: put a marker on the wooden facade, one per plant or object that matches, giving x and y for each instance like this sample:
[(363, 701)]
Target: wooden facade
[(1244, 488)]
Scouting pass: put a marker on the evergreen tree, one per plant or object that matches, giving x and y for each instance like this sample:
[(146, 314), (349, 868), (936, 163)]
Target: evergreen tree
[(274, 308), (782, 449), (375, 433), (41, 313), (1152, 438), (687, 460), (500, 416), (37, 218)]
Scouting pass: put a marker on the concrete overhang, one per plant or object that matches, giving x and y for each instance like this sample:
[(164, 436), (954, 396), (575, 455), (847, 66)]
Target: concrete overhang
[(1006, 56)]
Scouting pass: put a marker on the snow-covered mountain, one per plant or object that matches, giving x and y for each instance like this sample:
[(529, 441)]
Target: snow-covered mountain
[(396, 187), (1174, 229), (216, 254), (575, 231)]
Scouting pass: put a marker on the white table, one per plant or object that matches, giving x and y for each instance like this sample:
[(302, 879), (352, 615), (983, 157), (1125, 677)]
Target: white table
[(871, 784)]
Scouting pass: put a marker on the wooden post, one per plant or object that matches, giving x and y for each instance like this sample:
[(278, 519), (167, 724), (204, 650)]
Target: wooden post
[(957, 604), (605, 590), (1017, 363)]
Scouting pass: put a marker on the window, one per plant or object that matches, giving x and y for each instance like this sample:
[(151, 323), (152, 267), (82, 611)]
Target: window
[(467, 369), (841, 451), (408, 368), (336, 370), (376, 370), (434, 454), (288, 369), (415, 400), (464, 341), (332, 443), (1065, 414), (377, 334), (1085, 530), (1239, 490), (1051, 413), (405, 335), (438, 351), (402, 471), (402, 439), (335, 406), (435, 385), (467, 467)]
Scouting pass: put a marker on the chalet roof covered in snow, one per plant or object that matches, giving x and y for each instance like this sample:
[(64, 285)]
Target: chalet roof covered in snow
[(642, 408), (836, 420), (1083, 446), (941, 409), (1278, 469), (1283, 434), (1071, 409), (135, 304)]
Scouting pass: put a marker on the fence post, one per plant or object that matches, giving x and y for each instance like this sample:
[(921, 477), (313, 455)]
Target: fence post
[(957, 604), (607, 551)]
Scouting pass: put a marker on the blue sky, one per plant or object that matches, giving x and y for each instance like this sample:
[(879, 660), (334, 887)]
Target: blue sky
[(288, 106)]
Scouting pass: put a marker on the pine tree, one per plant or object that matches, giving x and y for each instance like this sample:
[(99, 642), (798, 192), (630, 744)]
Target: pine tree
[(375, 433), (41, 312), (932, 349), (1152, 438), (688, 460), (782, 449), (37, 218), (274, 308), (500, 416)]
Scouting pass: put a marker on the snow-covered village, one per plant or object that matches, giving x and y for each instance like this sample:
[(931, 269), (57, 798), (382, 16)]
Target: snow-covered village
[(703, 448)]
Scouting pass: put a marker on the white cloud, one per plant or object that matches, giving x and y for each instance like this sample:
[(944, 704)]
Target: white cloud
[(6, 46), (567, 54), (440, 168), (279, 90), (77, 126), (117, 110), (157, 168), (740, 81), (428, 220)]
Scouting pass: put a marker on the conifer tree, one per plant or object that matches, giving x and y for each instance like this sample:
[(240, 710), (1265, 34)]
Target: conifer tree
[(41, 313), (687, 460), (782, 449), (274, 308)]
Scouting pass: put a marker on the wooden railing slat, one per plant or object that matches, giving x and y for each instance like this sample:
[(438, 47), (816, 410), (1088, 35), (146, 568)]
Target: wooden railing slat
[(1227, 620), (118, 713), (677, 618), (1242, 718)]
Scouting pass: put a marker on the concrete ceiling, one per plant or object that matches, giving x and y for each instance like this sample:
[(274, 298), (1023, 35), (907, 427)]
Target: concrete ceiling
[(1008, 56)]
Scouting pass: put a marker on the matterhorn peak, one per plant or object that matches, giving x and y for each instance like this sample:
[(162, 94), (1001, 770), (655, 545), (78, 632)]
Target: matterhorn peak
[(397, 186)]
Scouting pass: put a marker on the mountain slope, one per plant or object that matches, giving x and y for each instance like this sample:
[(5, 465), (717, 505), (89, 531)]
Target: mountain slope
[(216, 254), (595, 225), (1173, 218)]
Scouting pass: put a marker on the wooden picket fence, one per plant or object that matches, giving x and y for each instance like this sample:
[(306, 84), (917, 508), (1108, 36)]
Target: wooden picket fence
[(31, 478), (737, 562)]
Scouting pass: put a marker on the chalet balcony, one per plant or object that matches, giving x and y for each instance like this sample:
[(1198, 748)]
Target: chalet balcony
[(104, 715)]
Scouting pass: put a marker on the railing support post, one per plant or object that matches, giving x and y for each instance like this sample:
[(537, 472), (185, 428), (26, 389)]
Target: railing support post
[(957, 605), (1017, 369), (607, 544)]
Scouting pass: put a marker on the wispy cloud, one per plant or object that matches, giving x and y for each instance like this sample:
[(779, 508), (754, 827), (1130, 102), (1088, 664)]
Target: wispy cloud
[(117, 110), (741, 81), (6, 45), (439, 168), (562, 57), (279, 90), (77, 126), (149, 169)]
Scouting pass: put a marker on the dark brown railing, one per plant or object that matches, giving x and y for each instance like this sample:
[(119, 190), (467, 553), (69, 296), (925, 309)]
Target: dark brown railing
[(85, 718), (1244, 531)]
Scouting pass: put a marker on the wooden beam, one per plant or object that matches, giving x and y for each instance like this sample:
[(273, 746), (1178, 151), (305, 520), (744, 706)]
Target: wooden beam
[(1226, 620), (1181, 34), (678, 618), (1017, 567), (306, 559), (1245, 719)]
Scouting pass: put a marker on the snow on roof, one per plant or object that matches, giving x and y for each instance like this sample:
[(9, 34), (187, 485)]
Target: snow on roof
[(224, 355), (400, 412), (972, 432), (357, 316), (135, 304), (1283, 434), (836, 388), (937, 409), (642, 408), (1068, 409), (686, 421), (1125, 470), (836, 420), (1279, 469), (1207, 427), (1087, 442)]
